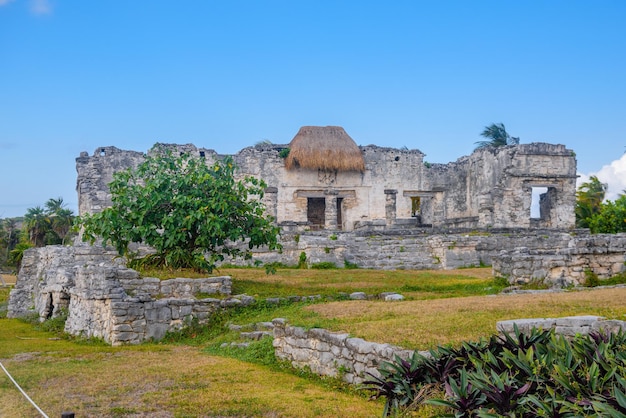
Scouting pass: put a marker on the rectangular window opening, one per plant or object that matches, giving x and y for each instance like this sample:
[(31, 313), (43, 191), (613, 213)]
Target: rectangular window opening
[(538, 205)]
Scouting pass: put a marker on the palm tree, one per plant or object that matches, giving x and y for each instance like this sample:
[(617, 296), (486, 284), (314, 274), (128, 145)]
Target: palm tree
[(37, 224), (54, 205), (589, 197), (497, 137), (61, 218)]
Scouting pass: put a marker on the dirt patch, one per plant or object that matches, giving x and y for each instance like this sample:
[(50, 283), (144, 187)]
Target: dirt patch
[(8, 279)]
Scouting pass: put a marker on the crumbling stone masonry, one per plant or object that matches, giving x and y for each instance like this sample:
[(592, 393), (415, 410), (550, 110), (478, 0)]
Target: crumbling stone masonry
[(104, 299), (564, 263), (335, 354), (491, 188)]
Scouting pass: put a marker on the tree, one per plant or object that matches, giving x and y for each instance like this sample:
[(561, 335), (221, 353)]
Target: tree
[(61, 218), (10, 236), (190, 213), (497, 136), (37, 225), (589, 197), (48, 226), (611, 217)]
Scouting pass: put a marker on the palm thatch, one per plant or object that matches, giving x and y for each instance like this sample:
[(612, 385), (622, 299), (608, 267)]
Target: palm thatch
[(324, 148)]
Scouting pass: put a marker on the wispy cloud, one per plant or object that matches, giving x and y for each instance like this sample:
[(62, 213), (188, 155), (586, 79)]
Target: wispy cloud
[(613, 174), (4, 2), (40, 7)]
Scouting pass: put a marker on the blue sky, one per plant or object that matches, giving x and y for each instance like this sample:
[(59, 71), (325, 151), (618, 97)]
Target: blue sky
[(76, 75)]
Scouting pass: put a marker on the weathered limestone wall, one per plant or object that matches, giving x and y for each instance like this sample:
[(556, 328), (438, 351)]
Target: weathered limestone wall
[(101, 304), (489, 188), (105, 299), (411, 248), (566, 263), (332, 353)]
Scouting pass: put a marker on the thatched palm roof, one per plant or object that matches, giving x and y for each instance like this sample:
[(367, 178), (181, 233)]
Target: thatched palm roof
[(326, 148)]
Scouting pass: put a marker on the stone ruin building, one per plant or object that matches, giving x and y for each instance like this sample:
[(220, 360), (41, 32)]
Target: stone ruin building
[(323, 180), (339, 203)]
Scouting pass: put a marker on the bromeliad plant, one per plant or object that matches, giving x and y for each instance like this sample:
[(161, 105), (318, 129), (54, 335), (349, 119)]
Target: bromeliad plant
[(520, 375)]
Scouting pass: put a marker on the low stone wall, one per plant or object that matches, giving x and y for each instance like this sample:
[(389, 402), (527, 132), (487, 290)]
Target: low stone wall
[(569, 326), (603, 255), (104, 299), (336, 354), (428, 248), (332, 353)]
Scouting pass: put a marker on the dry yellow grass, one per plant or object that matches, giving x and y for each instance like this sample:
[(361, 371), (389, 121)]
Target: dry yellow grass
[(165, 382), (425, 323), (9, 279)]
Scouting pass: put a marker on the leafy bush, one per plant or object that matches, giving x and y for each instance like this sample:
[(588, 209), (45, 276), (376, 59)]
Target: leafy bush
[(190, 213), (525, 375), (591, 279), (302, 261)]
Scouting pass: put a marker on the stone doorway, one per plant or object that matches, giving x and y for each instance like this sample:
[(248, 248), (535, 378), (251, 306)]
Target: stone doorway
[(339, 213), (316, 212)]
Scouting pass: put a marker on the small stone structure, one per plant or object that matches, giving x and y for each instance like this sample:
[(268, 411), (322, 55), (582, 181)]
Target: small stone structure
[(104, 299)]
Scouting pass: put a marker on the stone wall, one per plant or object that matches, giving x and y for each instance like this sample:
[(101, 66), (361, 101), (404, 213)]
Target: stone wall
[(564, 264), (421, 248), (104, 299), (332, 353)]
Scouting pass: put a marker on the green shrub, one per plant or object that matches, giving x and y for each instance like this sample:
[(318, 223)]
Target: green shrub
[(324, 265), (302, 261), (591, 279), (350, 266)]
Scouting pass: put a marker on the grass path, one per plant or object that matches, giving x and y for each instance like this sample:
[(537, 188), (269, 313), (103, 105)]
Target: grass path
[(421, 324)]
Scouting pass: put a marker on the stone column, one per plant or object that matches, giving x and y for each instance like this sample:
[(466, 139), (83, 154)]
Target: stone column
[(390, 206), (330, 213), (270, 200)]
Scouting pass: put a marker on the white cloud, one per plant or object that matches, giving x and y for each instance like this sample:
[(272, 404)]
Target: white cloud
[(40, 7), (613, 174)]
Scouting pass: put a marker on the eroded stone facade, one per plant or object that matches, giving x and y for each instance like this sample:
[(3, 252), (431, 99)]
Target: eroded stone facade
[(491, 188), (102, 298)]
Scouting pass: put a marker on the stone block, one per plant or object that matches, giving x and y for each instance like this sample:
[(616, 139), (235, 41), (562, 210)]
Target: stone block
[(359, 345), (571, 331), (577, 321), (358, 296), (609, 326)]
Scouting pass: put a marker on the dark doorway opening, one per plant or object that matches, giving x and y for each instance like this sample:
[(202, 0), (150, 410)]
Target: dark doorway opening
[(316, 212), (339, 213)]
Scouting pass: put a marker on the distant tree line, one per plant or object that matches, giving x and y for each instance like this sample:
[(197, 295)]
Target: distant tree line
[(40, 226)]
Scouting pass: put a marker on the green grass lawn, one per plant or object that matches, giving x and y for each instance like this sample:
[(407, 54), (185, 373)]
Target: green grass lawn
[(190, 374)]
